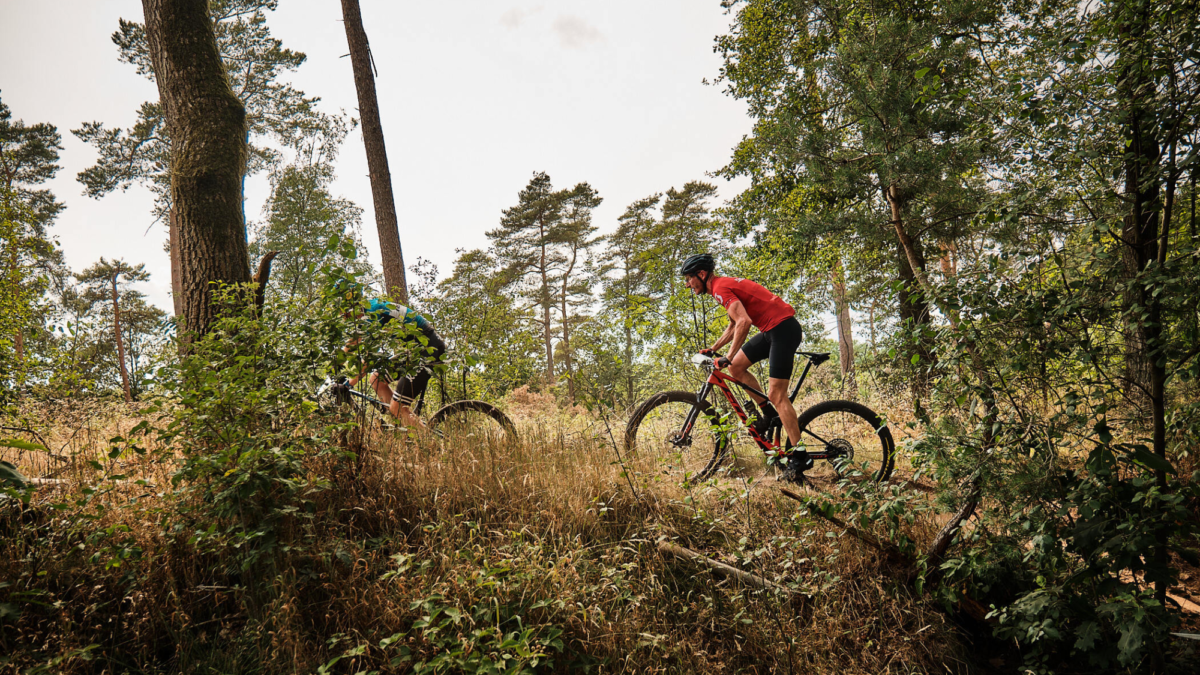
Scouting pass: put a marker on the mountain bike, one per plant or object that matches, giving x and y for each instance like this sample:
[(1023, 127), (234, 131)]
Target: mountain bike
[(457, 418), (684, 432)]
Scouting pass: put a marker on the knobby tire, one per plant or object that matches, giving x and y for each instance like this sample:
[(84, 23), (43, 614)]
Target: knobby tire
[(657, 421), (847, 422), (471, 408)]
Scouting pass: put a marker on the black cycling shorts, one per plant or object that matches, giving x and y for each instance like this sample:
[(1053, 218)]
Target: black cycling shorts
[(779, 345), (407, 389)]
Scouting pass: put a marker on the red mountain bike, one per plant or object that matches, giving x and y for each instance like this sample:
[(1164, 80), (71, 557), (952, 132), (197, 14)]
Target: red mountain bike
[(684, 431)]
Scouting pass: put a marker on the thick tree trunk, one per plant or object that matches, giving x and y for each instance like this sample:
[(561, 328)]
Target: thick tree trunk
[(1141, 245), (845, 331), (120, 342), (377, 164), (1140, 235), (207, 127)]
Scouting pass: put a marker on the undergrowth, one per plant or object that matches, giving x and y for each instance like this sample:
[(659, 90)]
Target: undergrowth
[(240, 528)]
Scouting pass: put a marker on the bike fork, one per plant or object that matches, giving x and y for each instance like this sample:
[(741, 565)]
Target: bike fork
[(690, 420)]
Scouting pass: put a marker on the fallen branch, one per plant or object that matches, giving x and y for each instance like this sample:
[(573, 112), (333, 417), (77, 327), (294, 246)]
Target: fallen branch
[(936, 552), (45, 446), (967, 605), (865, 537), (723, 569), (64, 481)]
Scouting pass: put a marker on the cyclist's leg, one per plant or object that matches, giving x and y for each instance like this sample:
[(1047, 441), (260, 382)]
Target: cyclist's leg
[(381, 383), (407, 391), (785, 340), (756, 349)]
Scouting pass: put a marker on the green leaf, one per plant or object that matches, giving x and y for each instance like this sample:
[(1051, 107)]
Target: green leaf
[(921, 73), (1150, 460), (21, 445), (1087, 635), (10, 475)]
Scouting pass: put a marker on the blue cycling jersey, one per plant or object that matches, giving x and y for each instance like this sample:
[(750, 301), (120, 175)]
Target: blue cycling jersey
[(384, 312)]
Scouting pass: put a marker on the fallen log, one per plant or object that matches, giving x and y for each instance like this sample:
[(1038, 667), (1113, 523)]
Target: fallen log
[(64, 481), (723, 569), (937, 549), (871, 540)]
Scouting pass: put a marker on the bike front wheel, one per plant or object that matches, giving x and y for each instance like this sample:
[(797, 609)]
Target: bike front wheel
[(473, 419), (656, 436), (858, 442)]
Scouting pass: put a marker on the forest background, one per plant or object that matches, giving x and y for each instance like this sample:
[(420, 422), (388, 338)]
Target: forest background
[(985, 209)]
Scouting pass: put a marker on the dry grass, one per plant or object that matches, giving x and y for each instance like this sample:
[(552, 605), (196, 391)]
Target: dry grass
[(555, 531)]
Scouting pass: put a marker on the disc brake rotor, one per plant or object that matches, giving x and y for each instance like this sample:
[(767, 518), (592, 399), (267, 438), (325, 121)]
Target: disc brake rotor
[(841, 453), (673, 439)]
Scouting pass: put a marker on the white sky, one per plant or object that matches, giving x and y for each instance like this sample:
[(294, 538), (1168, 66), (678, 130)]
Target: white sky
[(475, 96)]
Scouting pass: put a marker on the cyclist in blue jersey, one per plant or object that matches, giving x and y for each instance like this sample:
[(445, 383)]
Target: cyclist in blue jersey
[(407, 388)]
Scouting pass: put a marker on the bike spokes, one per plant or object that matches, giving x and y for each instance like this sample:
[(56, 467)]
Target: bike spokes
[(663, 440), (850, 439)]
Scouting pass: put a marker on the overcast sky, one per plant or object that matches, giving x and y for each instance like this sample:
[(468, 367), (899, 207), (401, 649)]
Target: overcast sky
[(475, 96)]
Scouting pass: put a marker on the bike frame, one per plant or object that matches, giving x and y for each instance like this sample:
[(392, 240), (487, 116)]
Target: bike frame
[(719, 380), (420, 400)]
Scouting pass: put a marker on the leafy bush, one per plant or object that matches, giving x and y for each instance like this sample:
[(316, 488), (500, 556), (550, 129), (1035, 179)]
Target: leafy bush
[(246, 429)]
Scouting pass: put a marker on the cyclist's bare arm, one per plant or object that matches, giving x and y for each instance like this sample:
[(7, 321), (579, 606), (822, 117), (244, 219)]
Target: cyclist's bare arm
[(735, 334)]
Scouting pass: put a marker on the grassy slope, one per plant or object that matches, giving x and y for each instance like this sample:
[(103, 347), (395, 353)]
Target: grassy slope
[(457, 557)]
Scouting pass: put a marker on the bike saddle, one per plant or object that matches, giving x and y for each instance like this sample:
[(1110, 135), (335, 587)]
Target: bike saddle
[(817, 358)]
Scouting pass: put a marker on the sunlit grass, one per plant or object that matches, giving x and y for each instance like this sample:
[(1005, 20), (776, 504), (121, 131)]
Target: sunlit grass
[(560, 528)]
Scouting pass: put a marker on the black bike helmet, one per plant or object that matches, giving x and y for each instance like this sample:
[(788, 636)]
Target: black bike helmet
[(698, 262)]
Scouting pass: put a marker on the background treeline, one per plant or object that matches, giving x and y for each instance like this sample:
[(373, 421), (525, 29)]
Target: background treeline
[(992, 204)]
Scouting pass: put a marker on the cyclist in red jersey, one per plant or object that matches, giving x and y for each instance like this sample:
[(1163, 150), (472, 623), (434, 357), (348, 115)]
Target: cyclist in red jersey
[(750, 304)]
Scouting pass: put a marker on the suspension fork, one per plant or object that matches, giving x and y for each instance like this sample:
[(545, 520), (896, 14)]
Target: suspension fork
[(690, 420)]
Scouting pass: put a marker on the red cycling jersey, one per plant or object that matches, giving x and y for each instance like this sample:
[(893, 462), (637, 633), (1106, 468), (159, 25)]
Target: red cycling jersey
[(766, 309)]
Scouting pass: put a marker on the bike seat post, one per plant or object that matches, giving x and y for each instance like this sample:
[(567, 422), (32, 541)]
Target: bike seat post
[(799, 383)]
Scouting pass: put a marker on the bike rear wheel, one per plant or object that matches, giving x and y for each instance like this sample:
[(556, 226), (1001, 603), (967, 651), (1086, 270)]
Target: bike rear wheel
[(473, 419), (859, 439), (654, 436)]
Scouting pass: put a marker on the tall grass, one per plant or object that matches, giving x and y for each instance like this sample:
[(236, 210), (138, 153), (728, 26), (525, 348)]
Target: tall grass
[(451, 556)]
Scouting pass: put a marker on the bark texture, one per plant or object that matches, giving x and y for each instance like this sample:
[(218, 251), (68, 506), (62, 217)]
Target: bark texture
[(845, 328), (377, 164), (260, 280), (1140, 232), (120, 342), (914, 306), (176, 282), (543, 270), (207, 127), (566, 326), (1142, 247)]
